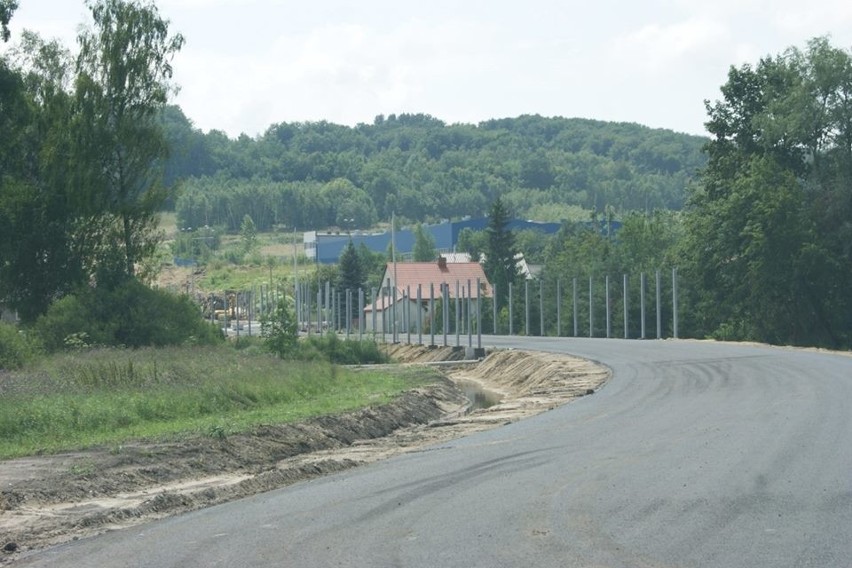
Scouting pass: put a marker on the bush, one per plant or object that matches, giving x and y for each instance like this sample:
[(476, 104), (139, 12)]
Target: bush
[(279, 331), (130, 314), (351, 352), (16, 347)]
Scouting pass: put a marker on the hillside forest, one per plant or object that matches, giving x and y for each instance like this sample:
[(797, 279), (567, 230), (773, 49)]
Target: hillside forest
[(321, 175), (757, 217)]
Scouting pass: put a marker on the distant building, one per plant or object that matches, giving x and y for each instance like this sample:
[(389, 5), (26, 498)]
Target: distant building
[(326, 248), (398, 298)]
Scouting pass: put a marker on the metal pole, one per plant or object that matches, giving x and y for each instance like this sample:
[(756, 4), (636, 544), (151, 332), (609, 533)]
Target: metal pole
[(541, 307), (386, 317), (458, 308), (309, 311), (446, 303), (674, 302), (659, 315), (319, 310), (394, 314), (511, 314), (432, 311), (479, 313), (642, 303), (608, 321), (348, 312), (329, 308), (626, 333), (469, 305), (527, 307), (591, 313), (360, 314), (494, 306), (576, 319), (374, 310), (407, 311), (558, 307), (419, 314)]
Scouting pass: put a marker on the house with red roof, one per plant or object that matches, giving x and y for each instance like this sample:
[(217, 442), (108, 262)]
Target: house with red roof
[(397, 305)]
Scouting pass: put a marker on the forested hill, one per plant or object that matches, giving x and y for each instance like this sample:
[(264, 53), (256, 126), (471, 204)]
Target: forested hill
[(316, 175)]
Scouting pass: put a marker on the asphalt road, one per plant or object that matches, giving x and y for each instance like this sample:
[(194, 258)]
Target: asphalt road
[(694, 454)]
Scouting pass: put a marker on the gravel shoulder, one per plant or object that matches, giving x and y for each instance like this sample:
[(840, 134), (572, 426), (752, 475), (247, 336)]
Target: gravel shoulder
[(47, 500)]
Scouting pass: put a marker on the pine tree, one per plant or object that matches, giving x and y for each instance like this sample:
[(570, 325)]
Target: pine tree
[(500, 264)]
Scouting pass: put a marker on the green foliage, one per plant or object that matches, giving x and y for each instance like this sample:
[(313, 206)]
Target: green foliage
[(7, 8), (373, 266), (321, 175), (331, 348), (424, 245), (500, 263), (473, 243), (16, 347), (82, 152), (248, 235), (279, 331), (123, 81), (72, 400), (198, 244), (130, 314), (645, 244), (768, 225)]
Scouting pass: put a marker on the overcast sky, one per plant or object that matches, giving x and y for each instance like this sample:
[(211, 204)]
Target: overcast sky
[(248, 64)]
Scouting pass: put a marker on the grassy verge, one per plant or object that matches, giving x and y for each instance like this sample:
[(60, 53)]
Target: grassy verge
[(78, 400)]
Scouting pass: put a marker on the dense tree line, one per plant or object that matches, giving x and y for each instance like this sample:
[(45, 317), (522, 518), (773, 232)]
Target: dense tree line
[(770, 226), (81, 155), (317, 175)]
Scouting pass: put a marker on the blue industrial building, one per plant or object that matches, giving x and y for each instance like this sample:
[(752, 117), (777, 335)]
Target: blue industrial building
[(326, 248)]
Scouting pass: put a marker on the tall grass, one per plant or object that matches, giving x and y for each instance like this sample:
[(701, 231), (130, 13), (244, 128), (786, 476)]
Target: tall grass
[(99, 397)]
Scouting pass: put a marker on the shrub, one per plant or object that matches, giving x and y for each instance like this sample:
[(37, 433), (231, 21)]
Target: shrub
[(351, 352), (279, 331), (16, 347), (130, 314)]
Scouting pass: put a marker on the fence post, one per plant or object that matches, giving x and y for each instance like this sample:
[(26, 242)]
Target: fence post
[(420, 314), (458, 309), (558, 307), (591, 311), (360, 314), (608, 321), (511, 314), (374, 311), (479, 313), (494, 306), (659, 315), (642, 303), (469, 305), (432, 311), (674, 302), (407, 311), (446, 310), (626, 333)]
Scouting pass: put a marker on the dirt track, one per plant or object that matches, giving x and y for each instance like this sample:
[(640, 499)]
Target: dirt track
[(46, 500)]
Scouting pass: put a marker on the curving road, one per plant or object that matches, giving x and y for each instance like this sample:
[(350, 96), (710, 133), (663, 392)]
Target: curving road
[(694, 454)]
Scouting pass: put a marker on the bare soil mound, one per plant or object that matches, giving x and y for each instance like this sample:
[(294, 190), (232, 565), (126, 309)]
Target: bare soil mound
[(45, 500)]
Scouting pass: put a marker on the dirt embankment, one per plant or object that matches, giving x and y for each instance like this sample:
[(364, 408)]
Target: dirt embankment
[(46, 500)]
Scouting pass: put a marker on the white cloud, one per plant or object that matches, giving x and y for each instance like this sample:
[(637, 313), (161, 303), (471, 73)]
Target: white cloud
[(656, 48)]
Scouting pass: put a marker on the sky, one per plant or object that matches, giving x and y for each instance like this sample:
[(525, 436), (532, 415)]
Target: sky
[(249, 64)]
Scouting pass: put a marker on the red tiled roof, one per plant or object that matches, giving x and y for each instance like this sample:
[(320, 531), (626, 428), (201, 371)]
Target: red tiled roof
[(410, 274)]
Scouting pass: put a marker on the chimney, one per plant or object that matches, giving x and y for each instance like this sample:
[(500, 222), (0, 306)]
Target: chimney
[(442, 263)]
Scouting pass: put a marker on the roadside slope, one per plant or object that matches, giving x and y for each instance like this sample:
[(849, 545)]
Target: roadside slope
[(46, 500)]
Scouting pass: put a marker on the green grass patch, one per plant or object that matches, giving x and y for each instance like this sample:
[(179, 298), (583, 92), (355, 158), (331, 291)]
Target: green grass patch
[(77, 400)]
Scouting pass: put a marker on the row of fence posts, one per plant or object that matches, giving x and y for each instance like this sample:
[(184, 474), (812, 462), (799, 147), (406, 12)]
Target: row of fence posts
[(322, 308)]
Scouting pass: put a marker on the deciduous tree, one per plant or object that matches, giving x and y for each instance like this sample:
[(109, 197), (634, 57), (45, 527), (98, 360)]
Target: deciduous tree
[(124, 74)]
